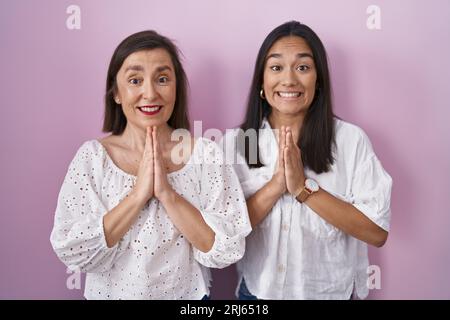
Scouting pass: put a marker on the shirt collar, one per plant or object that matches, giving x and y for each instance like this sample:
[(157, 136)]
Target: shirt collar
[(265, 124)]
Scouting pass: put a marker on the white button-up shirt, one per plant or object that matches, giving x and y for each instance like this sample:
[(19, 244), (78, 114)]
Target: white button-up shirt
[(294, 253), (153, 260)]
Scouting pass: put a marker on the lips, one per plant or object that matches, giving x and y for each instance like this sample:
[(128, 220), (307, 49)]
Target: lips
[(150, 110), (289, 94)]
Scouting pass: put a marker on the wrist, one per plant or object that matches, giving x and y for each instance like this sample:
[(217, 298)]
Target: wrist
[(309, 187), (275, 188), (167, 196), (296, 192), (138, 198)]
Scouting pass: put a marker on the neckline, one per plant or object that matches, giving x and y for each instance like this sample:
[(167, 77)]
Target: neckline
[(123, 172)]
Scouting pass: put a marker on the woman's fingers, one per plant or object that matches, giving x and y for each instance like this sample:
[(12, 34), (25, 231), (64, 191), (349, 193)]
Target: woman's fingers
[(291, 143), (290, 138), (156, 150), (288, 157), (155, 143), (148, 149), (282, 145), (289, 147), (144, 184), (285, 157), (294, 143)]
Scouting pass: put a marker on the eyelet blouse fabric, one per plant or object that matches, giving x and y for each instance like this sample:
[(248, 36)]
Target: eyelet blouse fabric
[(153, 260)]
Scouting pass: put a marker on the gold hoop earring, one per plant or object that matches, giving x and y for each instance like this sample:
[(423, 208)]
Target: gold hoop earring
[(261, 94)]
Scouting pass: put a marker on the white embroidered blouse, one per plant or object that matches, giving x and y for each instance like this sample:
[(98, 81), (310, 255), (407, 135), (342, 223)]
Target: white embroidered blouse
[(153, 260), (295, 254)]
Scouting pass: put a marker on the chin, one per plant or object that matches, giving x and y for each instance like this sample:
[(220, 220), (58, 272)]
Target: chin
[(148, 123), (290, 111)]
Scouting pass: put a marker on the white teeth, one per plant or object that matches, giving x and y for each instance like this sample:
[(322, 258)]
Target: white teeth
[(150, 109), (289, 94)]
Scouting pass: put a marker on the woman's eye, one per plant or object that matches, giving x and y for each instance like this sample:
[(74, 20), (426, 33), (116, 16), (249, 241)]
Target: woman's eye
[(303, 68), (275, 68), (135, 81), (163, 80)]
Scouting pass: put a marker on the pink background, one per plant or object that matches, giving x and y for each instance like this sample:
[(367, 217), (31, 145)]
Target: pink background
[(393, 82)]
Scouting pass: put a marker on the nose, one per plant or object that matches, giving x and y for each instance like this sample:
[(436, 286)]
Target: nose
[(289, 78), (149, 91)]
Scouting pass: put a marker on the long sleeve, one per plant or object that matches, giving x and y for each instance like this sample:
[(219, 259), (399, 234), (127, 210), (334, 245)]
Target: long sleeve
[(224, 209), (78, 236), (371, 185)]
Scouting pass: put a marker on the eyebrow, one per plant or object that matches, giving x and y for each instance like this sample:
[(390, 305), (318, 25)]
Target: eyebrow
[(163, 68), (299, 55), (134, 68), (140, 68)]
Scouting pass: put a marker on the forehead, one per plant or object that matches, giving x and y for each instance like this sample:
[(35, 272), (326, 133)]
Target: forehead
[(290, 44), (148, 59)]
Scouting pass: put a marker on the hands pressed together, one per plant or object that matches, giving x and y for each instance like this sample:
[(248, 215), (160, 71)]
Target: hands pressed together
[(152, 174), (289, 173)]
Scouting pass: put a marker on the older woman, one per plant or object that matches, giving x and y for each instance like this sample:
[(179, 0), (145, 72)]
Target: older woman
[(142, 222), (316, 192)]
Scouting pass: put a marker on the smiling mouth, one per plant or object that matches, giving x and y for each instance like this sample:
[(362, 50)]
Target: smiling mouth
[(150, 110), (295, 94)]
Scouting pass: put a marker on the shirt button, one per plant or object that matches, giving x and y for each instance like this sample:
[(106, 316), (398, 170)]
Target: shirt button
[(285, 227), (280, 268)]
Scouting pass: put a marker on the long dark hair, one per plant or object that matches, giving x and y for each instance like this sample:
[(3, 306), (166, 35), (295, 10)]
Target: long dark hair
[(317, 133), (114, 120)]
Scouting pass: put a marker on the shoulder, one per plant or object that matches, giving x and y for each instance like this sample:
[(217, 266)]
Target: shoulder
[(203, 144), (349, 132), (207, 151), (90, 153), (90, 148), (351, 139), (346, 129)]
